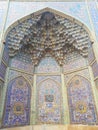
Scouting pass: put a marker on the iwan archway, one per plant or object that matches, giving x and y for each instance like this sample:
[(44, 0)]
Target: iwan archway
[(49, 76)]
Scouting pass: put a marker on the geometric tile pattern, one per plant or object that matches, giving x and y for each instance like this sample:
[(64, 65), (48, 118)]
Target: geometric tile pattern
[(2, 70), (5, 57), (91, 55), (49, 102), (17, 104), (81, 103)]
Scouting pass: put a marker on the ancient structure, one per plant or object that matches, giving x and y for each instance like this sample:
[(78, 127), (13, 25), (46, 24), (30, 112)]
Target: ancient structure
[(47, 68)]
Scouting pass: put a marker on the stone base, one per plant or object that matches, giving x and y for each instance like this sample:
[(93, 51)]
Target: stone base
[(54, 127)]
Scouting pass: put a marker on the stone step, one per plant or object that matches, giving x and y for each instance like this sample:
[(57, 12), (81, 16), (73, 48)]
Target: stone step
[(54, 127)]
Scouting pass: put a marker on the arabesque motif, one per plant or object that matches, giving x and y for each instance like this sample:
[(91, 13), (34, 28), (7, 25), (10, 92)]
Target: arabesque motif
[(17, 105), (49, 102), (81, 103)]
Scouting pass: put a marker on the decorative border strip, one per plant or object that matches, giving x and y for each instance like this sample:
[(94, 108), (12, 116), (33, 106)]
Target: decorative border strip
[(4, 63), (75, 70), (12, 68)]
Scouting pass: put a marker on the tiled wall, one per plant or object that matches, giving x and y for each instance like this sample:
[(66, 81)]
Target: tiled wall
[(94, 16), (3, 5), (78, 107)]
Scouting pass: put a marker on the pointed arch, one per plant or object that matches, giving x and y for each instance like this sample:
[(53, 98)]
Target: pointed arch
[(48, 79), (19, 76), (77, 76), (81, 102), (53, 11), (49, 102), (58, 55), (17, 103)]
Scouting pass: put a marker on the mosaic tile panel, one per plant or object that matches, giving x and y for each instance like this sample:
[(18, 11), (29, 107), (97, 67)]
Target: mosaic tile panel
[(2, 70), (22, 65), (81, 103), (5, 55), (95, 69), (49, 102), (91, 55), (17, 105), (94, 16), (48, 65), (75, 64), (56, 78)]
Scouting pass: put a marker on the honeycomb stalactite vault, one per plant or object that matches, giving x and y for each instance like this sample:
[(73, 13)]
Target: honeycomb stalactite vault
[(48, 32)]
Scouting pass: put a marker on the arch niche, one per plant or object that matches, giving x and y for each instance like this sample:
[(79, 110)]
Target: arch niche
[(51, 47)]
